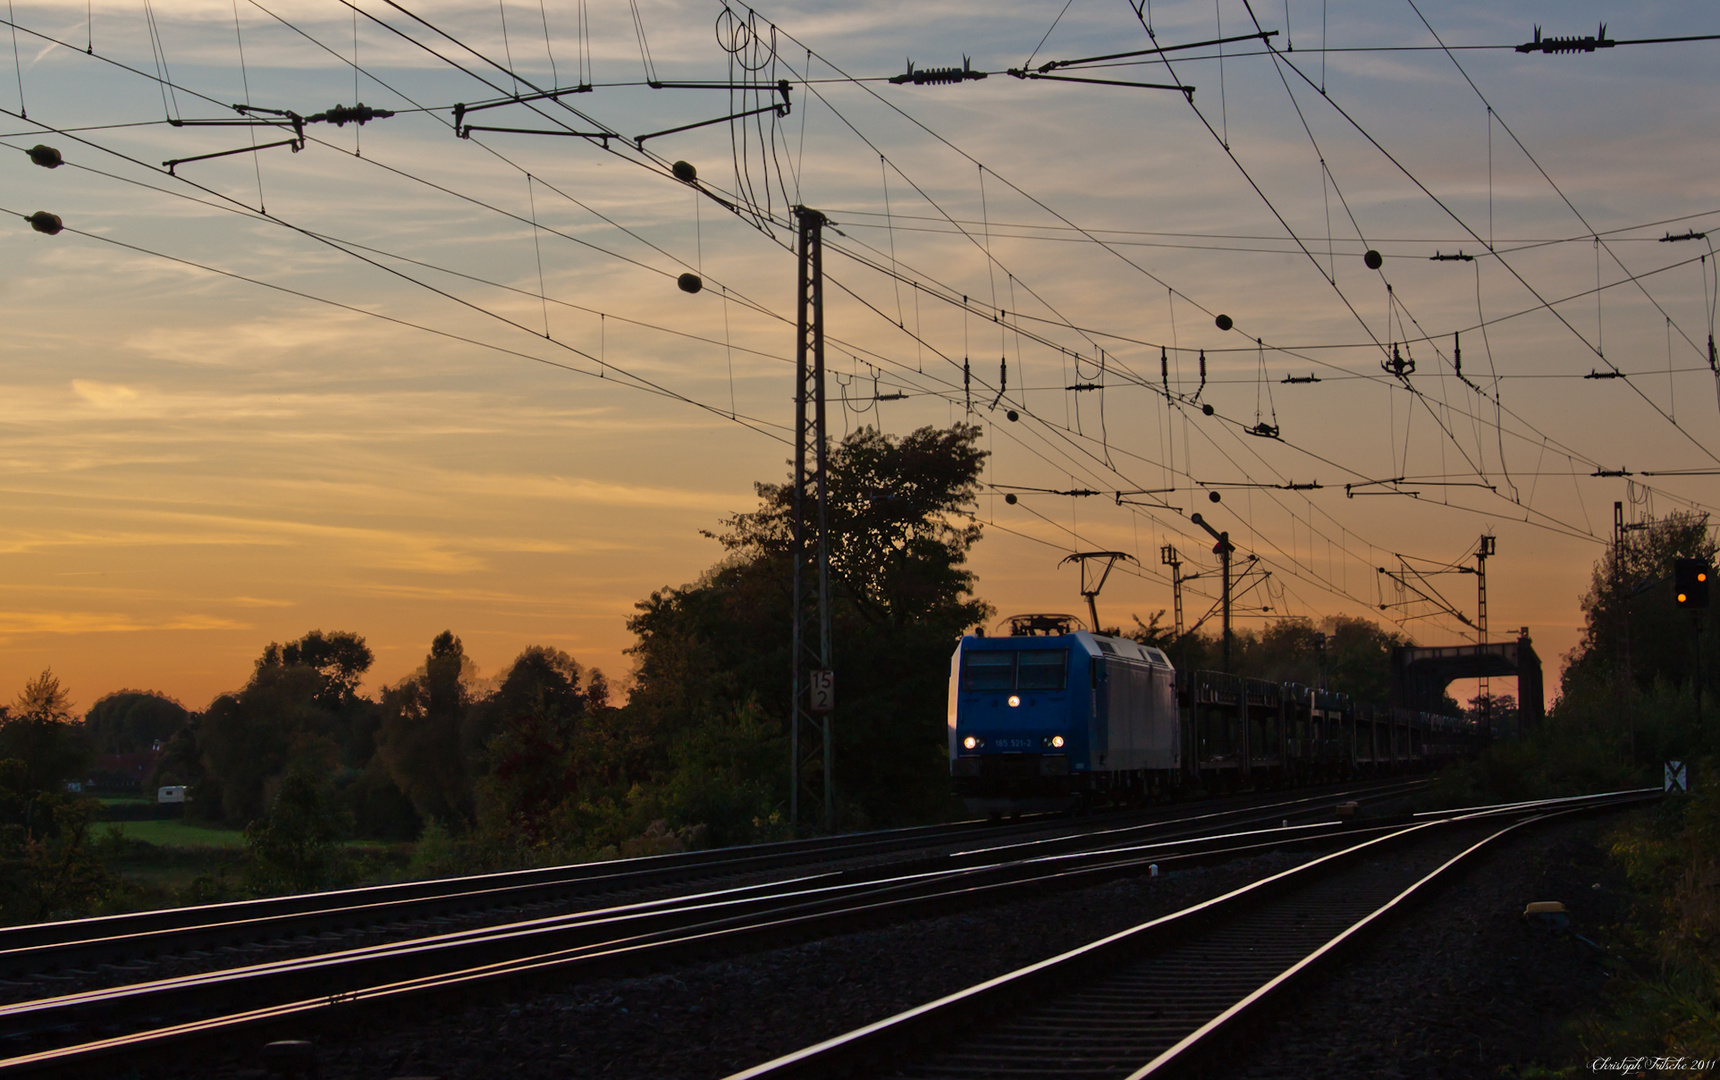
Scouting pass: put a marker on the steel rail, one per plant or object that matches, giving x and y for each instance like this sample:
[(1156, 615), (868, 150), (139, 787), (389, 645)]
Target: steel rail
[(1102, 971), (1187, 1053), (1180, 1056), (114, 927), (115, 939), (816, 904), (811, 893)]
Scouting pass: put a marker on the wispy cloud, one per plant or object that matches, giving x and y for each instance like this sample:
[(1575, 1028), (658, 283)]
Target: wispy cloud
[(15, 624), (104, 395)]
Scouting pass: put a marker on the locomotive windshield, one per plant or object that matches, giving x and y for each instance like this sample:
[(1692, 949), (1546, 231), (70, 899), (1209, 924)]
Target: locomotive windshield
[(1040, 669), (1030, 669), (988, 671)]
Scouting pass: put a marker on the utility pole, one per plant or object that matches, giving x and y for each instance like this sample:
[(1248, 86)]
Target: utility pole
[(1481, 553), (1223, 550), (1618, 582), (1168, 556), (813, 698)]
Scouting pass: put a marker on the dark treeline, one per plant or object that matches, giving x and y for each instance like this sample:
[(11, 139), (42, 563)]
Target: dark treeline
[(1633, 692), (542, 762), (1340, 653)]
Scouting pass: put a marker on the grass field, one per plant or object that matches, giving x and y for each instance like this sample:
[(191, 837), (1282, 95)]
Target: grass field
[(178, 834)]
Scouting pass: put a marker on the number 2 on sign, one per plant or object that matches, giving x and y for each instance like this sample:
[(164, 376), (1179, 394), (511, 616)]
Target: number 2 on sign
[(823, 690)]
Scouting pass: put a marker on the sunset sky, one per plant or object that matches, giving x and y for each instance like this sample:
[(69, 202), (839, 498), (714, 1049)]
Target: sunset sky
[(449, 383)]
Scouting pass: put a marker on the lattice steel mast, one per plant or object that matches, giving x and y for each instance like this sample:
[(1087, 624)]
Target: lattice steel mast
[(813, 682)]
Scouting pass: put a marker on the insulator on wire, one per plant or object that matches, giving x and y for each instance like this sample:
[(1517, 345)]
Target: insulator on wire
[(938, 76), (44, 222), (45, 156), (1567, 44), (342, 115)]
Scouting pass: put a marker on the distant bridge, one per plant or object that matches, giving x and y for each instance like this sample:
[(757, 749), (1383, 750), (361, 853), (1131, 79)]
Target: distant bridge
[(1420, 675)]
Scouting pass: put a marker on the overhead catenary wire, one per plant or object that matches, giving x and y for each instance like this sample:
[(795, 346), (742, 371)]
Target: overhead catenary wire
[(1529, 515), (939, 140), (757, 424), (245, 77), (1375, 377), (1014, 320), (17, 64), (1224, 143), (933, 133), (1446, 209)]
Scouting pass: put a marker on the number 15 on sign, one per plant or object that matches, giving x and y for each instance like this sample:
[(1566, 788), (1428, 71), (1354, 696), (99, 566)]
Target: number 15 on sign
[(823, 691)]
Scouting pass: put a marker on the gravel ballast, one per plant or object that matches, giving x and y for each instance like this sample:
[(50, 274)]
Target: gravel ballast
[(1465, 986)]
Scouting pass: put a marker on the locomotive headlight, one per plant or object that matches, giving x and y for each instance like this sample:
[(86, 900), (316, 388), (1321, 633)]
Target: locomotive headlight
[(970, 742), (1014, 700), (1057, 741)]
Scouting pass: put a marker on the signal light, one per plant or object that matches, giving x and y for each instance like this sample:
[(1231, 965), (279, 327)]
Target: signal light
[(1690, 582)]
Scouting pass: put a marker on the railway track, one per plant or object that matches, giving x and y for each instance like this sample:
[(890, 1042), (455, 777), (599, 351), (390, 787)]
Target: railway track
[(1156, 999), (67, 1029), (114, 949)]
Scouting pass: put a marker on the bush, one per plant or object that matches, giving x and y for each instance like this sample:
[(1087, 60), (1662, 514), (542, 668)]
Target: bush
[(439, 854), (1669, 994), (291, 844), (54, 872), (1588, 743)]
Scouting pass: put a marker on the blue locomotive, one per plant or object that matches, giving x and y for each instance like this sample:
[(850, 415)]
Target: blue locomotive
[(1053, 717)]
